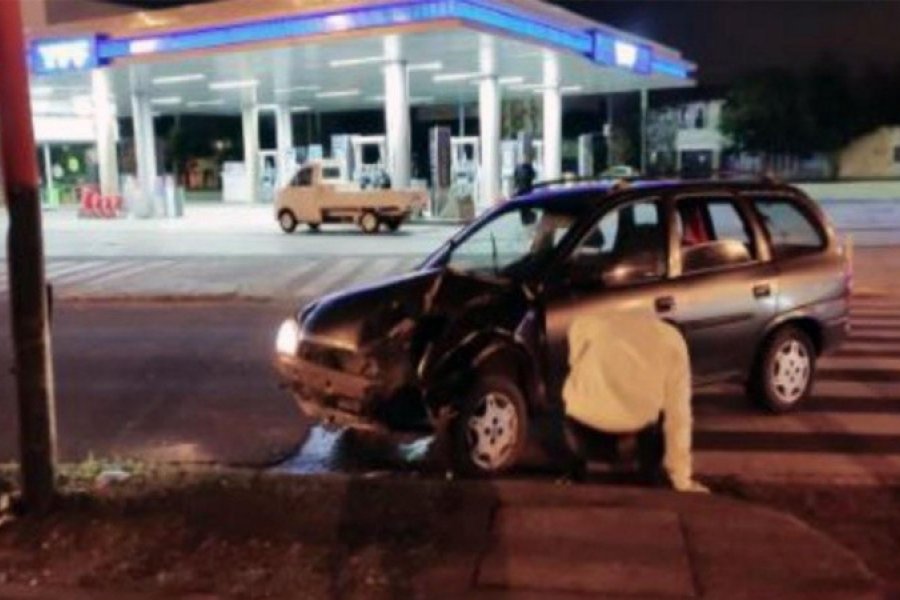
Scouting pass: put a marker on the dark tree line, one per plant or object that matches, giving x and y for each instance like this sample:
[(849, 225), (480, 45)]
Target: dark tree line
[(820, 110)]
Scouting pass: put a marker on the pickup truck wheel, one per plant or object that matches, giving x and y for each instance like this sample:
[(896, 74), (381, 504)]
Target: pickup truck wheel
[(490, 429), (287, 221), (783, 376), (368, 222)]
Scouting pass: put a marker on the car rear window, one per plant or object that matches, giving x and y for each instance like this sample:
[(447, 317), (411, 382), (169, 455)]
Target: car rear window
[(791, 231), (331, 173)]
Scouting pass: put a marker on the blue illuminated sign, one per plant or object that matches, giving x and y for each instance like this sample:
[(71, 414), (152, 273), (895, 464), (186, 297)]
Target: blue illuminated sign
[(635, 57), (604, 49), (49, 56), (485, 14), (350, 20), (63, 54), (644, 61), (670, 68)]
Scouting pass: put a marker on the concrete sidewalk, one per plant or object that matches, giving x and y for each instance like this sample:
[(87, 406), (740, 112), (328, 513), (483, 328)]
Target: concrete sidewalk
[(525, 539)]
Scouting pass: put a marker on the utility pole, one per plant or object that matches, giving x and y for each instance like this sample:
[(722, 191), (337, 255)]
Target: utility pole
[(643, 133), (28, 299)]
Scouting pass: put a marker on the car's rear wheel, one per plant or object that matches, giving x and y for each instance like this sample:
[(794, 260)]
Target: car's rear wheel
[(287, 221), (368, 222), (784, 372), (490, 429)]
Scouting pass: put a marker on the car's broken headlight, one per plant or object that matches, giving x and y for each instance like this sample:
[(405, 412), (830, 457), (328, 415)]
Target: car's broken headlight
[(288, 338)]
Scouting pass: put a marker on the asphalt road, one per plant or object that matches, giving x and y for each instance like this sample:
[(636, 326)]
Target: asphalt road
[(193, 382), (188, 382)]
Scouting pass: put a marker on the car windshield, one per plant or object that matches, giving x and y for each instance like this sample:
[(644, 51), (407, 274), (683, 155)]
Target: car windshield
[(510, 240)]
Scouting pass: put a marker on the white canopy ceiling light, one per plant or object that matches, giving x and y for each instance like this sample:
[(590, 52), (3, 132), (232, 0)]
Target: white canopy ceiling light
[(354, 62), (338, 94), (199, 103), (233, 84), (174, 79), (297, 88), (166, 101), (454, 77), (427, 66)]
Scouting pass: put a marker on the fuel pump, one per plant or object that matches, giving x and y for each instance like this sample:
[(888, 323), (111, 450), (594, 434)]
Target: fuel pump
[(465, 160), (369, 160)]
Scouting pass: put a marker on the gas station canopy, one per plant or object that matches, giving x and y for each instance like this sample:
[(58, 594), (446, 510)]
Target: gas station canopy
[(327, 55)]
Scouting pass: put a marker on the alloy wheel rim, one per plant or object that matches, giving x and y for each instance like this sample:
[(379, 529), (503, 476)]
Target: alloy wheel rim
[(790, 371), (492, 431), (286, 221)]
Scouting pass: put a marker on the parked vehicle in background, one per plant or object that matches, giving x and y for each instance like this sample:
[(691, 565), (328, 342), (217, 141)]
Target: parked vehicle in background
[(751, 274), (317, 194), (619, 172)]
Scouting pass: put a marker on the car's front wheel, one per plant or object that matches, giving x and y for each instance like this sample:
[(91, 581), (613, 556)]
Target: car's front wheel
[(783, 377), (287, 221), (491, 428)]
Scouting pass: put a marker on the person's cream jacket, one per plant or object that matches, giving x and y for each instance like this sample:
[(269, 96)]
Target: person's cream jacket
[(626, 369)]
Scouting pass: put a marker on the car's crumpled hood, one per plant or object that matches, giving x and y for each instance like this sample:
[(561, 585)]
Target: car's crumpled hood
[(356, 318)]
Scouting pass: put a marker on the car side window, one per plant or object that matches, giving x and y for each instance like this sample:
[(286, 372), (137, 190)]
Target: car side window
[(789, 229), (303, 178), (627, 245), (713, 234)]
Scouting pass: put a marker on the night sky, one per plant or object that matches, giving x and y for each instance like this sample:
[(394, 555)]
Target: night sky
[(727, 37)]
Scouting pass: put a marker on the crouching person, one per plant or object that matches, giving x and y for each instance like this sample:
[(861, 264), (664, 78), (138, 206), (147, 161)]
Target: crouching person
[(629, 391)]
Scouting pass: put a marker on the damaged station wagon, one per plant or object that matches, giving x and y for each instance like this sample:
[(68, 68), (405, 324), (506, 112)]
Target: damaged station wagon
[(751, 273)]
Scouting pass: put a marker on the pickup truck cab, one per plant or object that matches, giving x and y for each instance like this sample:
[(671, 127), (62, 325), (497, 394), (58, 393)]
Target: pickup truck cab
[(318, 194)]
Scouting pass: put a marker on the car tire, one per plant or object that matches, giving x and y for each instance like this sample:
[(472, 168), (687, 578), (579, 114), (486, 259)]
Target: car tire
[(314, 227), (393, 225), (490, 430), (784, 373), (287, 221), (368, 222)]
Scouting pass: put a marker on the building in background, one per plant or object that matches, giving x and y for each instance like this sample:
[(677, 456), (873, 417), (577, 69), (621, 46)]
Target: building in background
[(874, 155)]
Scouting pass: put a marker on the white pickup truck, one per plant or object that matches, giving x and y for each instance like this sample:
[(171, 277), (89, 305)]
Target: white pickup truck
[(317, 194)]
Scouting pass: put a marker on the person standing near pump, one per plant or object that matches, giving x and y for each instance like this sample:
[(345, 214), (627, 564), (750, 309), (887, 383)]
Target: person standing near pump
[(629, 389), (523, 177)]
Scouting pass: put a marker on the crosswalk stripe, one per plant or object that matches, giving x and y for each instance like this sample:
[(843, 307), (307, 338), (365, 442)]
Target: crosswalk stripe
[(327, 277), (797, 466), (59, 268), (298, 273), (72, 279), (140, 267), (886, 352), (381, 268), (813, 423), (74, 274)]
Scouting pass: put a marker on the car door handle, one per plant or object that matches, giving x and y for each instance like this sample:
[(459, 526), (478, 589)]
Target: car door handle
[(664, 304), (762, 290)]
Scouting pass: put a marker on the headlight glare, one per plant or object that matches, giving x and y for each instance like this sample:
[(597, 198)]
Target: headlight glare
[(288, 338)]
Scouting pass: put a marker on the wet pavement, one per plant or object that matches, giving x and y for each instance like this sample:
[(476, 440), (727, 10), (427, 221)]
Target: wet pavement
[(329, 450)]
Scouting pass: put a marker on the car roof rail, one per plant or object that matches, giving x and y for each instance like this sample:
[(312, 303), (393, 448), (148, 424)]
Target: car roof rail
[(565, 180), (768, 177), (615, 182)]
